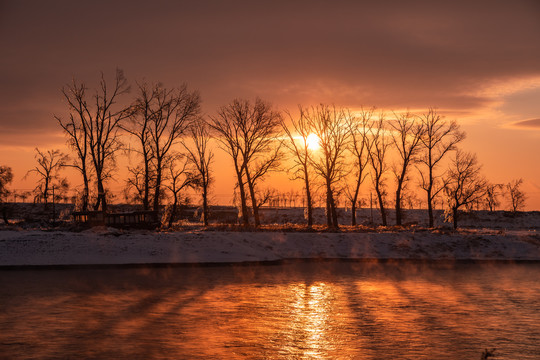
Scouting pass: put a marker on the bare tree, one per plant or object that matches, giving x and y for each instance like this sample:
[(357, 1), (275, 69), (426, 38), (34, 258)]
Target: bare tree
[(249, 134), (48, 167), (439, 138), (178, 178), (6, 177), (135, 181), (201, 157), (93, 130), (406, 136), (329, 124), (359, 128), (492, 195), (377, 157), (171, 111), (517, 196), (78, 134), (463, 185), (138, 125), (298, 147)]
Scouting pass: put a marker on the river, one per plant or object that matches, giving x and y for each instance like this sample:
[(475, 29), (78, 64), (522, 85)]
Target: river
[(297, 310)]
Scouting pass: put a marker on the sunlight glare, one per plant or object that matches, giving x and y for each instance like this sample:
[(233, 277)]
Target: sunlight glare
[(313, 142)]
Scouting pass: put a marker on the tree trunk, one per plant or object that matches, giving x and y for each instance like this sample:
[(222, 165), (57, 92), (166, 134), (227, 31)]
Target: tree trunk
[(245, 215), (398, 205), (101, 197), (455, 217), (334, 212), (354, 201), (251, 188), (173, 210), (205, 205), (309, 206), (146, 195), (86, 192), (328, 206), (381, 205), (429, 198)]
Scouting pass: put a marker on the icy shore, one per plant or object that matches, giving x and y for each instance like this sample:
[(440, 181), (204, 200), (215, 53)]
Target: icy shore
[(107, 246)]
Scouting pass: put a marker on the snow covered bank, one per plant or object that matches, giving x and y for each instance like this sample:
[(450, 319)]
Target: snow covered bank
[(103, 246)]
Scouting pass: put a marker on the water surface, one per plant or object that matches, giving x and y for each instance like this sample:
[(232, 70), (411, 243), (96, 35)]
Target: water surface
[(316, 310)]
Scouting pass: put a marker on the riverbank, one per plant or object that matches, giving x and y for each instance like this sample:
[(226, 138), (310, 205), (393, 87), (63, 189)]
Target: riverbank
[(108, 246)]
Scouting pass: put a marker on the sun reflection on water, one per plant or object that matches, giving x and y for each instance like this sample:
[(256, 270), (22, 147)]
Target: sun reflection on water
[(293, 314)]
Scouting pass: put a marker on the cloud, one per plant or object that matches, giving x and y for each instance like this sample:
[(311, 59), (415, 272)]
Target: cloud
[(527, 124)]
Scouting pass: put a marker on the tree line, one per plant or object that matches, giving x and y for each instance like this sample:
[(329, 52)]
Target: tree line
[(170, 139)]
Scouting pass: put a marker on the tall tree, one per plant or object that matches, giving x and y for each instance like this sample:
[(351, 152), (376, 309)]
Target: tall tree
[(250, 134), (298, 136), (464, 184), (359, 128), (329, 124), (93, 130), (440, 137), (516, 195), (406, 136), (171, 112), (47, 169), (200, 155), (77, 133), (138, 125), (378, 146)]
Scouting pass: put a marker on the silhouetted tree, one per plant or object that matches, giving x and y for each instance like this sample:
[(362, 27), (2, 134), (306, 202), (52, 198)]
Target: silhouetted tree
[(297, 145), (78, 134), (93, 130), (6, 177), (378, 146), (492, 195), (178, 177), (172, 111), (464, 185), (249, 134), (138, 125), (47, 169), (406, 136), (439, 138), (329, 124), (359, 128), (201, 157), (516, 195)]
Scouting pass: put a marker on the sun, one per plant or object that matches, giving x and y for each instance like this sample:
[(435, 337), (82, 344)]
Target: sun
[(313, 142)]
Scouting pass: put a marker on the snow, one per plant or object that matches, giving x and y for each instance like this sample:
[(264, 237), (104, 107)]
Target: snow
[(482, 236), (102, 246)]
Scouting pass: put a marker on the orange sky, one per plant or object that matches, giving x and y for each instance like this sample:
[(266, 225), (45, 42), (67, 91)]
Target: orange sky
[(476, 61)]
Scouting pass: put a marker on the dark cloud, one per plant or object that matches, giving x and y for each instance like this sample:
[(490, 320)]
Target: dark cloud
[(388, 53), (528, 124)]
